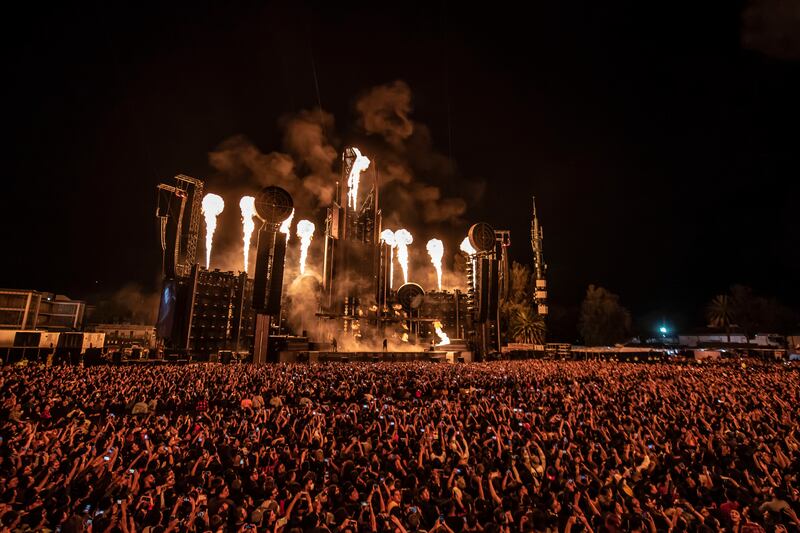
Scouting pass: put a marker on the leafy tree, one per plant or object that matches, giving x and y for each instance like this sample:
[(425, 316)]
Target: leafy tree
[(603, 320), (518, 318), (527, 326), (720, 313), (752, 312)]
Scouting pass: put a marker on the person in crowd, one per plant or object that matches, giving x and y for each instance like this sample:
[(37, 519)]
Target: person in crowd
[(498, 447)]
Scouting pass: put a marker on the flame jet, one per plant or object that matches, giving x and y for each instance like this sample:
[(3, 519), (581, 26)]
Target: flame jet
[(305, 230), (467, 248), (359, 165), (286, 226), (443, 338), (213, 204), (436, 251), (403, 238), (248, 206), (387, 236)]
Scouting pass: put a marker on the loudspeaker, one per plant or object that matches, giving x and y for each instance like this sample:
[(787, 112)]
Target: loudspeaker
[(276, 277), (494, 287), (266, 241), (483, 290)]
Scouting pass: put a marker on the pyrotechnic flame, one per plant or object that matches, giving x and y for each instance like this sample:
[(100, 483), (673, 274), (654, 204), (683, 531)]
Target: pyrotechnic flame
[(305, 230), (213, 205), (402, 239), (286, 226), (443, 338), (467, 248), (387, 236), (248, 206), (436, 251), (359, 165)]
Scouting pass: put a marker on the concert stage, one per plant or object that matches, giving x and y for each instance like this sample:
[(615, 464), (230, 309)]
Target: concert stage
[(375, 357)]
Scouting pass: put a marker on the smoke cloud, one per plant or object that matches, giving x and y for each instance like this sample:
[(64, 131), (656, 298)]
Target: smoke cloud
[(384, 111), (131, 304), (411, 173), (772, 27)]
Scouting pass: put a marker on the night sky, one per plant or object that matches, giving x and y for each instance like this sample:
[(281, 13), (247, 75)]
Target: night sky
[(662, 144)]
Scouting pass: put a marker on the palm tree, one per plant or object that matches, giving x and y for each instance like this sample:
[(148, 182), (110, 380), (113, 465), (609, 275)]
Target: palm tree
[(720, 313), (527, 327)]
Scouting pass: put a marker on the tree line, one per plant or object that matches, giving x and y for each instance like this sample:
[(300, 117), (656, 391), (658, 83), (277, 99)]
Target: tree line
[(602, 320)]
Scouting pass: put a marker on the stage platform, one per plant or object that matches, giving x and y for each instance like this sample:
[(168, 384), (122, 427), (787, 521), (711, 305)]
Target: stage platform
[(375, 357)]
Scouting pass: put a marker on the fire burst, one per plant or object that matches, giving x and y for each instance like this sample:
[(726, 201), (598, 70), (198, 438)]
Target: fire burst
[(213, 204), (402, 239), (286, 226), (305, 230), (387, 236), (467, 248), (248, 206), (443, 338), (359, 165), (436, 251)]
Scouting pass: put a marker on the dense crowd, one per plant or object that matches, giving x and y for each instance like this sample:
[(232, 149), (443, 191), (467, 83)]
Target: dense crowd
[(492, 447)]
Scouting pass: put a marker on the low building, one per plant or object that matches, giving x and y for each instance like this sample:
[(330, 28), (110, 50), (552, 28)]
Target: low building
[(123, 336), (31, 310), (710, 337), (38, 345)]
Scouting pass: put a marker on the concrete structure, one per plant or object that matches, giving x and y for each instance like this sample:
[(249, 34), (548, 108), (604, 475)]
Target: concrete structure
[(29, 309)]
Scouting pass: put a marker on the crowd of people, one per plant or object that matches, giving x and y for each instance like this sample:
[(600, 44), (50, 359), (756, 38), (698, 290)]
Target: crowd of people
[(528, 446)]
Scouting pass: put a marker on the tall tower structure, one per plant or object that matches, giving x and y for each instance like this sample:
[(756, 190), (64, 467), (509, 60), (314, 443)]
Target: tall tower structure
[(352, 241), (539, 266)]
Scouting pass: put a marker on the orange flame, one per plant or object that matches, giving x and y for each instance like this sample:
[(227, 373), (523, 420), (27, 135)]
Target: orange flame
[(213, 205), (436, 251), (467, 248), (359, 165), (248, 206), (286, 226), (403, 238), (305, 230), (443, 338)]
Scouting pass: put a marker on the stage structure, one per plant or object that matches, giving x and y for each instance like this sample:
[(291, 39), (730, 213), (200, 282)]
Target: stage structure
[(273, 206), (352, 258), (359, 297), (539, 266), (179, 228), (483, 282)]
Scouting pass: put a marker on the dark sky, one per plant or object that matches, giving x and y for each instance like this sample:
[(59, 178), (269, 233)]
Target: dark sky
[(664, 154)]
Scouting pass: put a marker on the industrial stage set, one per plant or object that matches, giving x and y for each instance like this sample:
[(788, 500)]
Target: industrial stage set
[(353, 309)]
